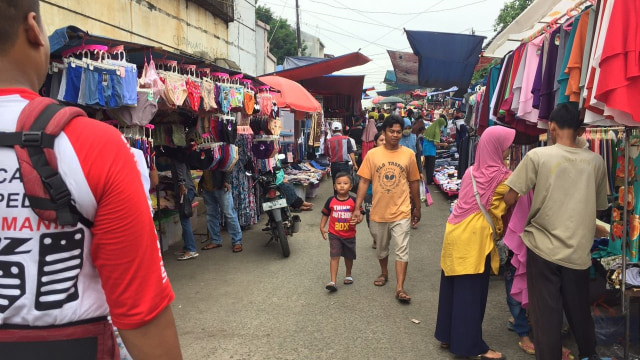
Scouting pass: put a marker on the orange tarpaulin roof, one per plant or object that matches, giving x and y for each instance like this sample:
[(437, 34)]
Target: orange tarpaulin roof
[(292, 95)]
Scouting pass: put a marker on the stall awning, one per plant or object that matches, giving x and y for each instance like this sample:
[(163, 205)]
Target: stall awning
[(445, 59), (405, 65), (538, 14), (292, 95), (323, 67), (335, 85)]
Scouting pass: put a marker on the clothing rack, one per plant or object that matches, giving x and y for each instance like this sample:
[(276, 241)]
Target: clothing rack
[(577, 8)]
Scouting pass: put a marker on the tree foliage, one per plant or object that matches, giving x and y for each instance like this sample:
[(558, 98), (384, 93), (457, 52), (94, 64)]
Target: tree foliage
[(510, 12), (282, 36)]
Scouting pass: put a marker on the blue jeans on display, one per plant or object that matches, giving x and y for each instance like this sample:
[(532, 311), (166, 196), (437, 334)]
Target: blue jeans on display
[(520, 323), (214, 201), (187, 231)]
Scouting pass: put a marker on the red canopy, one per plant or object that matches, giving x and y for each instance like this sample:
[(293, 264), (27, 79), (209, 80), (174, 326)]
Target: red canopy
[(325, 67), (292, 95)]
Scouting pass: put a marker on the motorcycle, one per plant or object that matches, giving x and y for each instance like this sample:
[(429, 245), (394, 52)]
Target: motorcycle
[(280, 224)]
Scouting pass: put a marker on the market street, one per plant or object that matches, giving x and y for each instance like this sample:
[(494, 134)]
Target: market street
[(259, 305)]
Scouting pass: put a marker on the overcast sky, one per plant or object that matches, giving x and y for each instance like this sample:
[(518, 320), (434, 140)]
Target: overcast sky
[(375, 26)]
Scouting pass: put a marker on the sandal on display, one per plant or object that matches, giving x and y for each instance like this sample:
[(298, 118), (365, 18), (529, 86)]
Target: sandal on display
[(348, 280), (187, 256), (403, 297), (381, 280), (210, 246), (331, 287)]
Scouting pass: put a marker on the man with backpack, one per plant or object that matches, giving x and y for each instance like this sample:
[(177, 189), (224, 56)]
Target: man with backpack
[(77, 241)]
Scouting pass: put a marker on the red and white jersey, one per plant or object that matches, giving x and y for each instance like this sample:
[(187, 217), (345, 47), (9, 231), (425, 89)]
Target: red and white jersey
[(51, 275)]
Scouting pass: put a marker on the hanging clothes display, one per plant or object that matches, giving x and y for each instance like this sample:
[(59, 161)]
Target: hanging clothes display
[(243, 190), (632, 207)]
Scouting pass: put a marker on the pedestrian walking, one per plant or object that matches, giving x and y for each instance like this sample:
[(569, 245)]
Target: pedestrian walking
[(469, 253), (558, 246), (430, 142), (340, 151), (393, 171), (60, 283), (379, 141), (216, 191), (337, 212)]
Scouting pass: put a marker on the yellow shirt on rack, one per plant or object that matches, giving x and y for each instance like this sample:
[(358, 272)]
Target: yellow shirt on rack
[(467, 243)]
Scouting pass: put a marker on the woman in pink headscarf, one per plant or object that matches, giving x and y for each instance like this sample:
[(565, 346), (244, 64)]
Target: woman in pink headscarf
[(468, 249)]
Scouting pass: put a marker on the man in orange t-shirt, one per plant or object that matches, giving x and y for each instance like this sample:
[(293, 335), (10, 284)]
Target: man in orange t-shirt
[(393, 172)]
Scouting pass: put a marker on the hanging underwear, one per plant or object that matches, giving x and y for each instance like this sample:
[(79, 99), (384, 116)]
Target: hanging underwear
[(266, 105), (249, 102), (193, 94), (225, 98), (236, 95), (209, 96), (175, 91)]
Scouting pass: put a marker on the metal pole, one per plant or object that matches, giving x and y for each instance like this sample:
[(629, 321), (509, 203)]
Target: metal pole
[(298, 28), (625, 232)]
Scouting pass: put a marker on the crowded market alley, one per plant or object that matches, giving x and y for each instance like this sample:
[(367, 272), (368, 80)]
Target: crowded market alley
[(259, 305), (304, 179)]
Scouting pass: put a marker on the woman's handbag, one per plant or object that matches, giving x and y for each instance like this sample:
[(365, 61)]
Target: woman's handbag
[(502, 249), (185, 209)]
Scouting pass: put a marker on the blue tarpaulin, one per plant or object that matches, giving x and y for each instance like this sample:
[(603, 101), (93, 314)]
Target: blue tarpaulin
[(445, 59)]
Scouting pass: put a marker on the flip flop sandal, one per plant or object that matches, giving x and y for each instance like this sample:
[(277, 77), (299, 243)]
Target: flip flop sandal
[(444, 345), (566, 354), (529, 348), (331, 287), (403, 297), (381, 280), (187, 256), (348, 280), (210, 246), (237, 248)]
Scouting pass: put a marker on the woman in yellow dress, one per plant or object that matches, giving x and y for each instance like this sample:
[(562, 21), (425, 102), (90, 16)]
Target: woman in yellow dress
[(468, 249)]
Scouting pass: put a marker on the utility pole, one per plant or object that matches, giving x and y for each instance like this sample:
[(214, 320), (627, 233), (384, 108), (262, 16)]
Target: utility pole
[(298, 28)]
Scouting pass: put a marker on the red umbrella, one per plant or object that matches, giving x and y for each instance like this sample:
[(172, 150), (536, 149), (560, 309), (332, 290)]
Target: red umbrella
[(377, 99), (418, 95), (292, 95), (399, 105), (415, 104)]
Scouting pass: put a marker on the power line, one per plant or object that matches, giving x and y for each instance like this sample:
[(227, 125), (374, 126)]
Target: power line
[(278, 23), (346, 33), (383, 36), (394, 13)]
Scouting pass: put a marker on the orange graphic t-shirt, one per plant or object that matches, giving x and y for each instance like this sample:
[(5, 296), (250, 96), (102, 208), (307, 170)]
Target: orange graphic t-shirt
[(390, 172)]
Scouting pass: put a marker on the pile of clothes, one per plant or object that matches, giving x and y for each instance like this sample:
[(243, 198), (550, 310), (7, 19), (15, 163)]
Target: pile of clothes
[(447, 178)]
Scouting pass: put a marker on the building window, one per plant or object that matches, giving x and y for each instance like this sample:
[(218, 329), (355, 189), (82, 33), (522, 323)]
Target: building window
[(223, 9)]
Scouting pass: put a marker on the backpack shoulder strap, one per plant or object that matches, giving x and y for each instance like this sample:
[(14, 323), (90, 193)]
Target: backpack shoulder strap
[(39, 123)]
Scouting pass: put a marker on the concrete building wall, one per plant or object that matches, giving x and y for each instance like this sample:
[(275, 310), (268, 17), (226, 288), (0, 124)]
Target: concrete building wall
[(315, 47), (266, 62), (176, 25), (242, 37)]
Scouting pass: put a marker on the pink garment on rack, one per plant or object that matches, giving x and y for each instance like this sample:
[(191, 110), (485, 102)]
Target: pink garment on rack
[(513, 240), (525, 108)]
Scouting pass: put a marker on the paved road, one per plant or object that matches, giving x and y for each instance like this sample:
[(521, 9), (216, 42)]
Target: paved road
[(259, 305)]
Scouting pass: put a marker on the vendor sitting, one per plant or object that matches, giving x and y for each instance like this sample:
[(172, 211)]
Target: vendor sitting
[(289, 191)]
